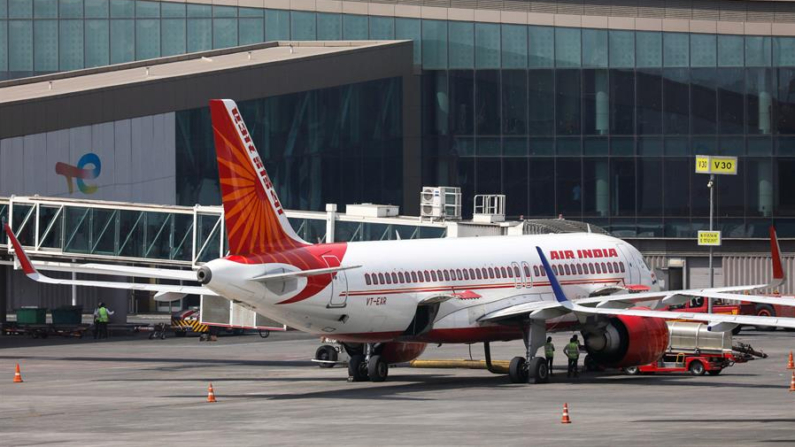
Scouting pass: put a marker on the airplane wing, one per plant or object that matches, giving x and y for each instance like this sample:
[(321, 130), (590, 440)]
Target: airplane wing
[(118, 270), (561, 306), (625, 300), (164, 291)]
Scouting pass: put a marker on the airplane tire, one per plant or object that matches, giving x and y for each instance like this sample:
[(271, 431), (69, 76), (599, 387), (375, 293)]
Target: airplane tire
[(377, 369), (326, 352), (357, 371), (632, 370), (517, 371), (537, 370)]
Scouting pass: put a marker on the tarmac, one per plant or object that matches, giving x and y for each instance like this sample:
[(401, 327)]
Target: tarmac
[(130, 390)]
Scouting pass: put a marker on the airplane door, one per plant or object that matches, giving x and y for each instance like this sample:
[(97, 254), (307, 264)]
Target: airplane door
[(528, 278), (339, 284), (632, 265), (518, 276)]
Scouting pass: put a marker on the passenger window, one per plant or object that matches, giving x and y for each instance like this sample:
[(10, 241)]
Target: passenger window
[(517, 274), (413, 276), (381, 278), (427, 276), (433, 275), (497, 272), (598, 270), (472, 273), (504, 273), (491, 273), (610, 267), (566, 267), (590, 267), (458, 273), (367, 278), (388, 279), (543, 271), (478, 274), (509, 271), (621, 265), (447, 275), (466, 275), (615, 266), (579, 269), (485, 273), (555, 269), (401, 277), (394, 278), (535, 270), (439, 274), (604, 268)]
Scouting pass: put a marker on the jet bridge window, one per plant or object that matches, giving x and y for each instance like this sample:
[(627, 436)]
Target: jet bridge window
[(367, 278)]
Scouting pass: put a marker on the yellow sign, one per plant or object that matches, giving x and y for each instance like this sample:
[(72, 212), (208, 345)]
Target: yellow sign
[(709, 238), (706, 164)]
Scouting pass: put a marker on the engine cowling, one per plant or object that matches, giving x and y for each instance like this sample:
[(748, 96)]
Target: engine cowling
[(395, 352), (627, 341)]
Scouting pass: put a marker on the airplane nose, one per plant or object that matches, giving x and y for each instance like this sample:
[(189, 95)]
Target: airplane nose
[(204, 275)]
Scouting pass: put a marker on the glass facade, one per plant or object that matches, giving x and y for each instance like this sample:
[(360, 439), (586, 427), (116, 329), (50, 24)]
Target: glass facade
[(589, 123), (334, 145)]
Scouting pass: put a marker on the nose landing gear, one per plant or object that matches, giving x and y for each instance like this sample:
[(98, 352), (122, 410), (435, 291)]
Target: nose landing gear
[(369, 366)]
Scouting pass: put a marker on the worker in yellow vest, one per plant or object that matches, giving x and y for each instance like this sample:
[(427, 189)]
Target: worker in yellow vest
[(549, 353), (101, 319), (572, 351)]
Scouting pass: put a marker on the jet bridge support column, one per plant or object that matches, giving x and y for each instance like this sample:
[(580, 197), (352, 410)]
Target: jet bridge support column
[(4, 272)]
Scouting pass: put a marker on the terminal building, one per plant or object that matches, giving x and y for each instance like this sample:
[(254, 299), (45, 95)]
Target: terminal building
[(593, 110)]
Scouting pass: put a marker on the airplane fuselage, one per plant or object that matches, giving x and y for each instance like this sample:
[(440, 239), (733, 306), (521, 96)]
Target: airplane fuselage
[(456, 281)]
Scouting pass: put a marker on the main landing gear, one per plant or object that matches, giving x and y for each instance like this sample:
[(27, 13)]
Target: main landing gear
[(368, 366), (535, 369)]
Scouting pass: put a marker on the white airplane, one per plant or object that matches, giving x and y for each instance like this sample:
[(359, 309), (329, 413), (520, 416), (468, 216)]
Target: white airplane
[(385, 300)]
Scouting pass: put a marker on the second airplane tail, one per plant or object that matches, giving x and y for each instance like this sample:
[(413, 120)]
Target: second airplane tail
[(255, 220)]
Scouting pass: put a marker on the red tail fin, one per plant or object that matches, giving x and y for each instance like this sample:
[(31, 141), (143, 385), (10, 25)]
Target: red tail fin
[(775, 253), (255, 220)]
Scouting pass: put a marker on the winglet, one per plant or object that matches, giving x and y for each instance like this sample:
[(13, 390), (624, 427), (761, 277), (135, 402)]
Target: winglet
[(553, 280), (27, 266), (775, 253)]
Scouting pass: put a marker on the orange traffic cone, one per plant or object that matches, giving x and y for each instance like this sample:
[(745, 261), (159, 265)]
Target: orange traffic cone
[(790, 363), (211, 394), (17, 375), (792, 383), (566, 419)]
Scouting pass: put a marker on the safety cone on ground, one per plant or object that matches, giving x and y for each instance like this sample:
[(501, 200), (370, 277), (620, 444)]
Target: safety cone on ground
[(211, 394), (566, 419), (790, 363), (17, 375), (792, 382)]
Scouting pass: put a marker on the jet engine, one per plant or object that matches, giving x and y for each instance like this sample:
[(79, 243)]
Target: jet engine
[(395, 352), (627, 341)]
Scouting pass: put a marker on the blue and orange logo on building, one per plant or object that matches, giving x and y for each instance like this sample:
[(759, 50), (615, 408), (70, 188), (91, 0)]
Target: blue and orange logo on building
[(80, 173)]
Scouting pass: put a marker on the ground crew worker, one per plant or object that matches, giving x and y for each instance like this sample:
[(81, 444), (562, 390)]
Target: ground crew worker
[(101, 318), (549, 353), (572, 351)]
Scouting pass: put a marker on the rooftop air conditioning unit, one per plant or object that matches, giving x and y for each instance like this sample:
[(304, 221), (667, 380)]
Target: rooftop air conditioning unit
[(440, 203)]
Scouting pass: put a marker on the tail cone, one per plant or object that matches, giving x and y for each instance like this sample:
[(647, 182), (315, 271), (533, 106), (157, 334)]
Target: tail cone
[(17, 375), (566, 419), (211, 394)]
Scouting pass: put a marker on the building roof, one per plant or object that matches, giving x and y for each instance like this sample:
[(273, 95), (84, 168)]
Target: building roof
[(192, 64)]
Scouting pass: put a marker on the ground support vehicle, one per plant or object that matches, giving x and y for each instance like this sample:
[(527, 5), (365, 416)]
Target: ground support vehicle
[(330, 354), (45, 330), (693, 348), (738, 308)]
